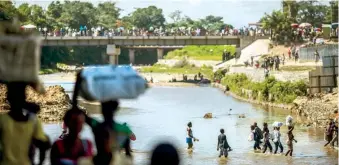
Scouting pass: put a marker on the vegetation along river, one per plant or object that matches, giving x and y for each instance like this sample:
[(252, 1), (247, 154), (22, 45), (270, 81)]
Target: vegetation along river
[(163, 112)]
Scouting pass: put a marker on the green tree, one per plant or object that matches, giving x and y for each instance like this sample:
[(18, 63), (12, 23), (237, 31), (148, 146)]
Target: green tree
[(37, 16), (176, 16), (54, 11), (127, 22), (311, 11), (107, 14), (76, 14), (7, 9), (24, 11), (332, 14), (279, 22), (212, 23), (147, 17), (290, 7)]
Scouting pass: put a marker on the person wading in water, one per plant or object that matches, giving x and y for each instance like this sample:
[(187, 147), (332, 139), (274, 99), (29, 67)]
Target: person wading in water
[(277, 141), (290, 139), (190, 138), (223, 144), (257, 136), (266, 135), (329, 132)]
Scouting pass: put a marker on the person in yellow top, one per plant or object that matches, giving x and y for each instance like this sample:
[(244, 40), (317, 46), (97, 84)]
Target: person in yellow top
[(19, 128)]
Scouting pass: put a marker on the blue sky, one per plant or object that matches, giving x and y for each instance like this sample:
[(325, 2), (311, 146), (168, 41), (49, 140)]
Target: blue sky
[(236, 12)]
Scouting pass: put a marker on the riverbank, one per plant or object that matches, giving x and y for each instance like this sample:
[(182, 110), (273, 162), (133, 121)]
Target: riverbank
[(48, 71), (253, 101), (53, 104), (159, 79), (317, 109), (314, 111)]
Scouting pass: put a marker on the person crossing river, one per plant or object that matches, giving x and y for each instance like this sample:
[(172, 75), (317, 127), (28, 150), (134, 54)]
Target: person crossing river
[(258, 135), (190, 138), (223, 144)]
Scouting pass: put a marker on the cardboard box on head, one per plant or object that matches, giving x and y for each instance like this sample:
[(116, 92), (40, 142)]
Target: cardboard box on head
[(20, 55)]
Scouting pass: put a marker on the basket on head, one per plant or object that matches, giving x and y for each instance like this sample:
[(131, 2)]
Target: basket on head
[(20, 55)]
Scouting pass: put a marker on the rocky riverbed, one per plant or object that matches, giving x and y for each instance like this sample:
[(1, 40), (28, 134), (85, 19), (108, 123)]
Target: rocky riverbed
[(54, 103), (317, 109)]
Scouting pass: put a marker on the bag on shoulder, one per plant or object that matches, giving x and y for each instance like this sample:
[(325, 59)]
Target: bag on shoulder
[(251, 136), (109, 82), (259, 133)]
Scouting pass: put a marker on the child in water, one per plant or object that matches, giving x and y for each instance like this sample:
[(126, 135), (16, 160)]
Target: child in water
[(190, 138), (223, 144)]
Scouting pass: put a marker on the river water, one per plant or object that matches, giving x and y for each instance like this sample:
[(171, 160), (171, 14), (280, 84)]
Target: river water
[(161, 114)]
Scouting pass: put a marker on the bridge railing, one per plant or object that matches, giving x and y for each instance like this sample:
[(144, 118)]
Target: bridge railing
[(137, 37)]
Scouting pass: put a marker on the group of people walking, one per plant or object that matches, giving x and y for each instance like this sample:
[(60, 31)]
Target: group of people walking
[(263, 137), (331, 133), (260, 138)]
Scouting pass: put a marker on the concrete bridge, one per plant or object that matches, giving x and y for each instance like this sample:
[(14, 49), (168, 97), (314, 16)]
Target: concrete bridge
[(141, 40), (136, 42)]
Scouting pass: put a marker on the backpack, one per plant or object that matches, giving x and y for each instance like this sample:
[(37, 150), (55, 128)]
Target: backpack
[(251, 136), (259, 133)]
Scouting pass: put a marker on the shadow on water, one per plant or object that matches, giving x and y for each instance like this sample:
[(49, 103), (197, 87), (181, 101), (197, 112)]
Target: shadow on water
[(163, 112)]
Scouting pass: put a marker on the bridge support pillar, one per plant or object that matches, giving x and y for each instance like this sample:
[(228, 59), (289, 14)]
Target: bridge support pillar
[(160, 53), (131, 54), (113, 53)]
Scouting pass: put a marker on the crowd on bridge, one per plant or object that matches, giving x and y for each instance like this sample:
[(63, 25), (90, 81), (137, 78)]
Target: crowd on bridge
[(153, 31)]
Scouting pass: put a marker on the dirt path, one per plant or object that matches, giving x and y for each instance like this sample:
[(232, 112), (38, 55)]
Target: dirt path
[(258, 74)]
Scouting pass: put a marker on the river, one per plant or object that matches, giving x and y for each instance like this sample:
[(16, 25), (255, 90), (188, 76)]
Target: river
[(162, 113)]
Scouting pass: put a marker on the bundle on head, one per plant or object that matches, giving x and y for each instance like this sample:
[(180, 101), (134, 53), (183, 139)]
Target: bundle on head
[(20, 53)]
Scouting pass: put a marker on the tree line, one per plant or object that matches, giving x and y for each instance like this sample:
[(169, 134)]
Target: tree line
[(74, 14), (304, 11)]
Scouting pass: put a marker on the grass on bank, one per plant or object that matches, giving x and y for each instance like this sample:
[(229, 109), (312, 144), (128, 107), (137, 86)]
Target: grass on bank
[(208, 52), (281, 92), (48, 71), (185, 69), (297, 68)]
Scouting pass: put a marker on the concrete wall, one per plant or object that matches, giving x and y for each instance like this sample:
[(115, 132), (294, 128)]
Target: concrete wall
[(306, 54)]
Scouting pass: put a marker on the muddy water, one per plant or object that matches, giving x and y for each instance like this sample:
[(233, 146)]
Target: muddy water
[(163, 112)]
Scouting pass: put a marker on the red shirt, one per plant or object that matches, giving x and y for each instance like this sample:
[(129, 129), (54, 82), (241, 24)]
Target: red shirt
[(86, 150)]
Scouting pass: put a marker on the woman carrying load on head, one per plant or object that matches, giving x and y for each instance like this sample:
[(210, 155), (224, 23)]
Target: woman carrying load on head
[(20, 128)]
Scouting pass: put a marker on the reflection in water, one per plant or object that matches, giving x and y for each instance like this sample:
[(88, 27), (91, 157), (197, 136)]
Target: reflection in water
[(162, 114)]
